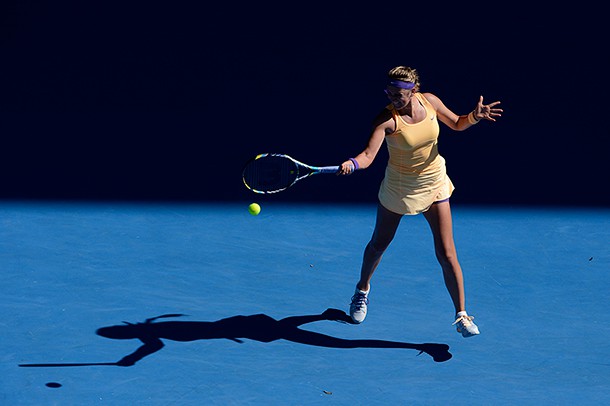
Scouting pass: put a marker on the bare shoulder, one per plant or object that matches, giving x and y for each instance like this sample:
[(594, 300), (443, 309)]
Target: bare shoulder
[(433, 99), (384, 118)]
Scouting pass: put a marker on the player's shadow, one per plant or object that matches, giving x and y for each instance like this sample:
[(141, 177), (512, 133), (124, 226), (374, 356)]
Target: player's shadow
[(258, 327)]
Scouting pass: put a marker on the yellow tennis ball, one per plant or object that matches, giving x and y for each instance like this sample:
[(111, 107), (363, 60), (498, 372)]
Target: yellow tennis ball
[(254, 209)]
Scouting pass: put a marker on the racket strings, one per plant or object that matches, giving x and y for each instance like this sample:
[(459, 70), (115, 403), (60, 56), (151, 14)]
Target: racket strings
[(270, 174)]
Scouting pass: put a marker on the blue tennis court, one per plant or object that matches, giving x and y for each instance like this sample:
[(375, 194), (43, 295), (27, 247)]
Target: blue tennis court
[(111, 295), (237, 309)]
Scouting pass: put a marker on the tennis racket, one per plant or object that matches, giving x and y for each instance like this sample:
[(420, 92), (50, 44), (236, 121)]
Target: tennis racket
[(272, 173)]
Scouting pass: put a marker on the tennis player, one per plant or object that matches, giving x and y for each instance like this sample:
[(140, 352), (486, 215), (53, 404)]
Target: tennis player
[(415, 182)]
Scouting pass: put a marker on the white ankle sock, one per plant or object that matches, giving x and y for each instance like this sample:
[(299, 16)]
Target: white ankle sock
[(460, 314)]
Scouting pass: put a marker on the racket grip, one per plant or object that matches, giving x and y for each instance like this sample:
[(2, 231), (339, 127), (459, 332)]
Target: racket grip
[(328, 169)]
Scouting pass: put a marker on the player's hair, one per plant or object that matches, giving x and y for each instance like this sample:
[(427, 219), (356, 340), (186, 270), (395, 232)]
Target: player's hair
[(406, 74)]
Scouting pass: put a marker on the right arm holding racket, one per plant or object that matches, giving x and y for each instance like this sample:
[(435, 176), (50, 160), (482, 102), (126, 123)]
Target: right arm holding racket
[(383, 125), (271, 173)]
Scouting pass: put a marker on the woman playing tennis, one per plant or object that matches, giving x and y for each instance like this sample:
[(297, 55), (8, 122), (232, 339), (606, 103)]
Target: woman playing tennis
[(415, 182)]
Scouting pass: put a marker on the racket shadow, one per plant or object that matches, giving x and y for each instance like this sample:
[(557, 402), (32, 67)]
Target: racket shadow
[(258, 327)]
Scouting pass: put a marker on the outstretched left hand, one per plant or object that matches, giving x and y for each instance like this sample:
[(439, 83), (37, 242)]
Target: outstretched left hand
[(487, 111)]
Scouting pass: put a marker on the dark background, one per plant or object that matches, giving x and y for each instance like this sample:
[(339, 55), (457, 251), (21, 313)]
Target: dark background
[(166, 101)]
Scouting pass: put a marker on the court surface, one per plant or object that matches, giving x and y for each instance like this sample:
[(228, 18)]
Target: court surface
[(245, 301)]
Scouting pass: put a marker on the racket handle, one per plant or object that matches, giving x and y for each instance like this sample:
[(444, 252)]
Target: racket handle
[(328, 169)]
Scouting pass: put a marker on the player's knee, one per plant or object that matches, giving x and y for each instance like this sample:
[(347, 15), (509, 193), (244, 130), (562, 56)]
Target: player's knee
[(446, 257), (375, 248)]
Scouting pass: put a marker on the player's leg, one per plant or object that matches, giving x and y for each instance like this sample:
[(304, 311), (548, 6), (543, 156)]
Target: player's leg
[(386, 225), (441, 223)]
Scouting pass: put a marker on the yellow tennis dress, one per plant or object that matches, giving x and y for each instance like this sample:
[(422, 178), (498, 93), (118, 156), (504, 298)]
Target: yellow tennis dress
[(416, 176)]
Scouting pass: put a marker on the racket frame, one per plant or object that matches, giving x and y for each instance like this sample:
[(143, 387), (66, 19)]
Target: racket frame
[(309, 170)]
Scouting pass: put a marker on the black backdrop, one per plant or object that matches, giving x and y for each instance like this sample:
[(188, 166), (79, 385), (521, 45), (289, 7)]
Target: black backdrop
[(163, 100)]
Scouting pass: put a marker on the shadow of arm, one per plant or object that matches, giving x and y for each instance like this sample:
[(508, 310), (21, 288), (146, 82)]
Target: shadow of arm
[(151, 345)]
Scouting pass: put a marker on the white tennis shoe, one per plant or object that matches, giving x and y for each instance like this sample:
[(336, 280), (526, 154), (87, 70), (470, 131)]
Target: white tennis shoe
[(358, 307), (466, 326)]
